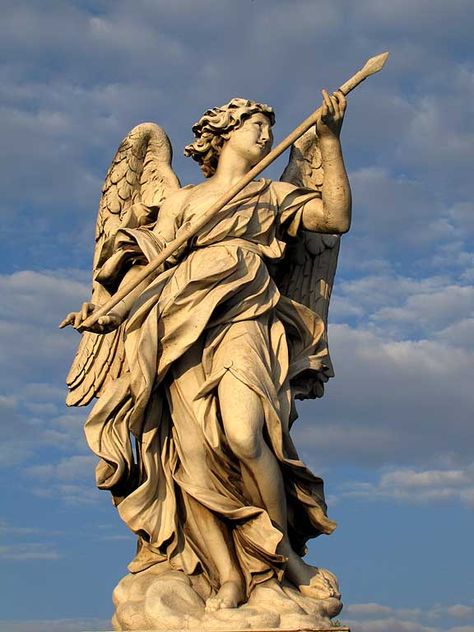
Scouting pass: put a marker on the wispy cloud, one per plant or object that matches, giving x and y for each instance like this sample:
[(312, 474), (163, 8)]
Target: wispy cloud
[(405, 307), (417, 486), (55, 625), (71, 479), (390, 401), (7, 529), (377, 617), (105, 80), (459, 611), (77, 76), (33, 362), (69, 469), (28, 551)]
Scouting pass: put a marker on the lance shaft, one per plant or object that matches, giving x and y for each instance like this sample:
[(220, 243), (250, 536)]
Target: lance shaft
[(189, 229)]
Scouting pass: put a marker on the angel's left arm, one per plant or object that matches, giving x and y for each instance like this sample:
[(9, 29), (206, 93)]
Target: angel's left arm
[(163, 232)]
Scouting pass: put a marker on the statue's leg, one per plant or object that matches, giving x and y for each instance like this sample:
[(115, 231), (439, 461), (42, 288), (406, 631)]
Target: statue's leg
[(187, 379), (243, 419), (231, 592)]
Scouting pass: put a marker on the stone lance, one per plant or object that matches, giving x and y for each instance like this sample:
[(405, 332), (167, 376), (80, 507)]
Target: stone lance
[(373, 65)]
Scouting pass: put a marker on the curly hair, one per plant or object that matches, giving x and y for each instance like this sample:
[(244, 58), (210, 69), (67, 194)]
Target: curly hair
[(212, 130)]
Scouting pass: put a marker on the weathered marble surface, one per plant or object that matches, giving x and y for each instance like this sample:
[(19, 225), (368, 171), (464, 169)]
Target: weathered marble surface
[(197, 368), (168, 601)]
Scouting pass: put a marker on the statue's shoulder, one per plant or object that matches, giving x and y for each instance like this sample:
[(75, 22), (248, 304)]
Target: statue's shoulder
[(282, 188), (176, 200), (196, 194)]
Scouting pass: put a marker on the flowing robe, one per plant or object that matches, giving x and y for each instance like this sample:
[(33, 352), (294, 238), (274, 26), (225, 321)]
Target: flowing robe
[(214, 309)]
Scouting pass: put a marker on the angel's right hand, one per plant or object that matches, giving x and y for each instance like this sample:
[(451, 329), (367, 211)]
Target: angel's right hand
[(76, 318), (107, 323), (104, 324)]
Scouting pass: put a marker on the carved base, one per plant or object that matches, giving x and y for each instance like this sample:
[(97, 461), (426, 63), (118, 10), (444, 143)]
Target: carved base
[(171, 601)]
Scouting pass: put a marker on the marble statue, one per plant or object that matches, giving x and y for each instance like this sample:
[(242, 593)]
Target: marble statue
[(197, 369)]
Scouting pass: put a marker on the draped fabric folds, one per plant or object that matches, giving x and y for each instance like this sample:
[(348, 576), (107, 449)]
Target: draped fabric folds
[(214, 309)]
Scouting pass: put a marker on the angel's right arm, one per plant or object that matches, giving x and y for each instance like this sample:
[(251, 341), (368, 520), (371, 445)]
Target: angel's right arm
[(321, 167), (332, 212)]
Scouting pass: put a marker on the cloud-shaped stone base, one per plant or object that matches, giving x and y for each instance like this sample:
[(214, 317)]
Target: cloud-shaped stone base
[(151, 601)]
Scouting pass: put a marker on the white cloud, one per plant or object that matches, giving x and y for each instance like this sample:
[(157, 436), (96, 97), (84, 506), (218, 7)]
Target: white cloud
[(13, 453), (385, 401), (463, 214), (399, 218), (7, 529), (368, 609), (69, 469), (403, 369), (28, 551), (377, 617), (437, 319), (128, 63), (390, 402), (72, 493), (460, 611), (39, 297), (402, 306), (32, 412), (390, 624), (55, 625), (66, 431), (417, 486), (76, 78), (72, 479), (430, 311)]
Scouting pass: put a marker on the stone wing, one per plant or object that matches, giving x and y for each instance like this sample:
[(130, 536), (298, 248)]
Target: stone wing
[(137, 182), (307, 272)]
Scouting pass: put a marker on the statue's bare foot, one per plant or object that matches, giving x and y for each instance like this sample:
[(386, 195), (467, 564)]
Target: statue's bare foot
[(318, 583), (230, 595)]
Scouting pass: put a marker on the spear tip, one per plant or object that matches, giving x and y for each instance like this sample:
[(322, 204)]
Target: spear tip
[(375, 64)]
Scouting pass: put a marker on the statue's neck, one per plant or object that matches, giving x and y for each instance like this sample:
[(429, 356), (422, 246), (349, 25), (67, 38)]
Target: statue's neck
[(230, 169)]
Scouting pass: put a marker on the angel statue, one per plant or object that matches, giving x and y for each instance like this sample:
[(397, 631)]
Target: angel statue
[(196, 370)]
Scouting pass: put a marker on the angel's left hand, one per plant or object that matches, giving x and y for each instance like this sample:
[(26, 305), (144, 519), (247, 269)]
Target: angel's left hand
[(332, 115), (103, 325)]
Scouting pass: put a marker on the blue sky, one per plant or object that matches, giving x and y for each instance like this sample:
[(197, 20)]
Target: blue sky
[(393, 437)]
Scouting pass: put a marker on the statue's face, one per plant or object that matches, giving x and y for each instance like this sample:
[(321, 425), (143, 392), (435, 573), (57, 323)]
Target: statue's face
[(253, 139)]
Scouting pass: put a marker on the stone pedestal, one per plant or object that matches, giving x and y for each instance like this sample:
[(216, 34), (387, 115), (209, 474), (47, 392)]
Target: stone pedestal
[(333, 629), (171, 601)]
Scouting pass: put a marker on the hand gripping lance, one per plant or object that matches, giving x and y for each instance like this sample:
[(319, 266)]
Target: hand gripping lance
[(189, 229)]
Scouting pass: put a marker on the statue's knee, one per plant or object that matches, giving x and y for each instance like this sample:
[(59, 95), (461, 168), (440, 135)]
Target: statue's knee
[(247, 446)]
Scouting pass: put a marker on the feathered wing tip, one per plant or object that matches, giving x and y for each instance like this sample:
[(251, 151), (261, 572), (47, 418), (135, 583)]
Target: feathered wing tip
[(305, 168), (307, 273), (138, 180)]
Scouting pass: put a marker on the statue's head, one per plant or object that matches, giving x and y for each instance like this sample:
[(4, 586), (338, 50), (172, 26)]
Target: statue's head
[(214, 128)]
